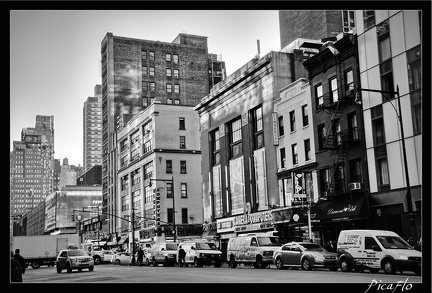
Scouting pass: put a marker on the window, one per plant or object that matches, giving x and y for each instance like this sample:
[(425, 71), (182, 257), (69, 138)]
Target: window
[(168, 72), (176, 88), (294, 154), (125, 202), (182, 167), (307, 149), (414, 81), (123, 145), (184, 215), (236, 138), (169, 190), (182, 123), (152, 86), (168, 164), (370, 242), (135, 153), (281, 126), (145, 101), (145, 86), (124, 183), (124, 160), (144, 70), (151, 55), (348, 22), (340, 178), (321, 136), (175, 58), (215, 147), (333, 90), (182, 142), (282, 157), (170, 215), (337, 132), (378, 125), (258, 128), (183, 191), (152, 71), (349, 80), (167, 57), (177, 101), (169, 100), (368, 19), (292, 121), (356, 170), (134, 138), (176, 73), (136, 177), (147, 145), (169, 88), (144, 55), (386, 66), (382, 170), (352, 126), (324, 181), (148, 173), (305, 115), (319, 95)]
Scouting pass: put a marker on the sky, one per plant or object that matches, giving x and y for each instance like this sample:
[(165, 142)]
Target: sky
[(55, 57)]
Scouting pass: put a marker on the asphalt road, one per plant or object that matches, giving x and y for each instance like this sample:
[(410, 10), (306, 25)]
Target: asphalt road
[(112, 276)]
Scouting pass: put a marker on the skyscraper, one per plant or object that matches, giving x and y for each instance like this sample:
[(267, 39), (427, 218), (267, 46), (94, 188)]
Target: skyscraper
[(92, 130), (32, 166)]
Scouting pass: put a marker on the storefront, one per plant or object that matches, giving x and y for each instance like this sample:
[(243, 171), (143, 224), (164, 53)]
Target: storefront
[(348, 212)]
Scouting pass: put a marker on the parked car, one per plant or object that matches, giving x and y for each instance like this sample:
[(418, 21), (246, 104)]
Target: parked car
[(74, 259), (306, 255), (107, 254), (164, 253), (123, 257)]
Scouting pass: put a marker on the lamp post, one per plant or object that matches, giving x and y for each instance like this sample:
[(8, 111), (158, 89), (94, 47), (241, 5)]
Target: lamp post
[(173, 202), (133, 233), (399, 116)]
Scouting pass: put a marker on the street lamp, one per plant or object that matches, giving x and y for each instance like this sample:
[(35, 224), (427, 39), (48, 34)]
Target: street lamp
[(172, 194), (399, 115)]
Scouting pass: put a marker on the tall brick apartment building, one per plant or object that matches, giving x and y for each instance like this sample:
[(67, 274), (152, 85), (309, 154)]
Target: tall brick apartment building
[(137, 72)]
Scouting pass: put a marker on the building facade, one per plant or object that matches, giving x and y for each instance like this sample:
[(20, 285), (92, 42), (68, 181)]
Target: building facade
[(92, 130), (390, 54), (159, 156), (134, 74), (32, 166)]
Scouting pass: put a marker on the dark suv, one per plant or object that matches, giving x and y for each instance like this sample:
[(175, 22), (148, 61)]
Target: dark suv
[(74, 259)]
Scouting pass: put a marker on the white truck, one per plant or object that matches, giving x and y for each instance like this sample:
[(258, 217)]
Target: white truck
[(95, 251), (40, 250)]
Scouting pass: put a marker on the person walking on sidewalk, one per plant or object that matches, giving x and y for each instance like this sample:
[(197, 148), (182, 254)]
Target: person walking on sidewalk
[(182, 255), (20, 259), (140, 256), (16, 275)]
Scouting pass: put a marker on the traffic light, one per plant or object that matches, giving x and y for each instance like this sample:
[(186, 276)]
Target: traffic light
[(73, 216)]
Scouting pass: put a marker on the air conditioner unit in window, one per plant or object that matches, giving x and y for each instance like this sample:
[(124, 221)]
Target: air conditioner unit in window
[(355, 185)]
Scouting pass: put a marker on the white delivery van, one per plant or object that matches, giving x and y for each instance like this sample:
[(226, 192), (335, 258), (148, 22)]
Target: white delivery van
[(201, 252), (375, 250), (164, 253), (255, 248)]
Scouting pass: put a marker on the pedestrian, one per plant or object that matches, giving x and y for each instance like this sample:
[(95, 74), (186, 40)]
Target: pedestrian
[(182, 255), (16, 275), (20, 259), (140, 256)]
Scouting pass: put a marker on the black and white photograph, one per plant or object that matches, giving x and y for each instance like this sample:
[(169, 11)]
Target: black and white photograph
[(270, 147)]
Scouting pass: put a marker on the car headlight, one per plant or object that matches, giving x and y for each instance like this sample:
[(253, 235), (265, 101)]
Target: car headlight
[(403, 256), (318, 257)]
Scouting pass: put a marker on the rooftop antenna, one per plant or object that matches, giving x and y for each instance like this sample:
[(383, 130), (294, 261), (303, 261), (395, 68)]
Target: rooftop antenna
[(257, 56)]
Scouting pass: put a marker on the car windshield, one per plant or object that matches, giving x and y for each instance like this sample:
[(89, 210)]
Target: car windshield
[(208, 246), (171, 246), (269, 241), (77, 252), (312, 247), (393, 242)]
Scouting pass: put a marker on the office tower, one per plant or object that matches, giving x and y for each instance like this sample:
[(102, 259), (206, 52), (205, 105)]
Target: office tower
[(92, 130), (32, 166)]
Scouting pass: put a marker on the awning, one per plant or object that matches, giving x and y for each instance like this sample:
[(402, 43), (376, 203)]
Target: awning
[(350, 208), (293, 216), (124, 239)]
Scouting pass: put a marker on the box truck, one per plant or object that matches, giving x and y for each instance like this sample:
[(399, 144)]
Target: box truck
[(40, 250)]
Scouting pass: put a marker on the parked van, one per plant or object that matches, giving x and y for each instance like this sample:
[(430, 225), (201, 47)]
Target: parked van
[(164, 253), (201, 252), (375, 250), (254, 248)]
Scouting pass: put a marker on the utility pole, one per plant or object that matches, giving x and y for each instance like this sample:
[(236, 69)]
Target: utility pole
[(133, 233)]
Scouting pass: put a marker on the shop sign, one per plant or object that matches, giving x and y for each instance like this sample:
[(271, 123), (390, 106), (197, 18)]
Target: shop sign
[(225, 225), (253, 227), (256, 221)]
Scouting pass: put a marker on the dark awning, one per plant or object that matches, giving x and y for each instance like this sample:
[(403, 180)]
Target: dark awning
[(350, 208), (294, 216)]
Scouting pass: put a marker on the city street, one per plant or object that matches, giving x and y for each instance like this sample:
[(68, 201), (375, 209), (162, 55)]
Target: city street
[(109, 273)]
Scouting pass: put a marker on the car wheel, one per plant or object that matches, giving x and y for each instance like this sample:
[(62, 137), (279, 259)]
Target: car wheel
[(97, 260), (232, 262), (279, 264), (35, 264), (306, 265), (58, 268), (389, 267), (259, 264), (118, 261), (68, 268), (345, 266), (91, 269)]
